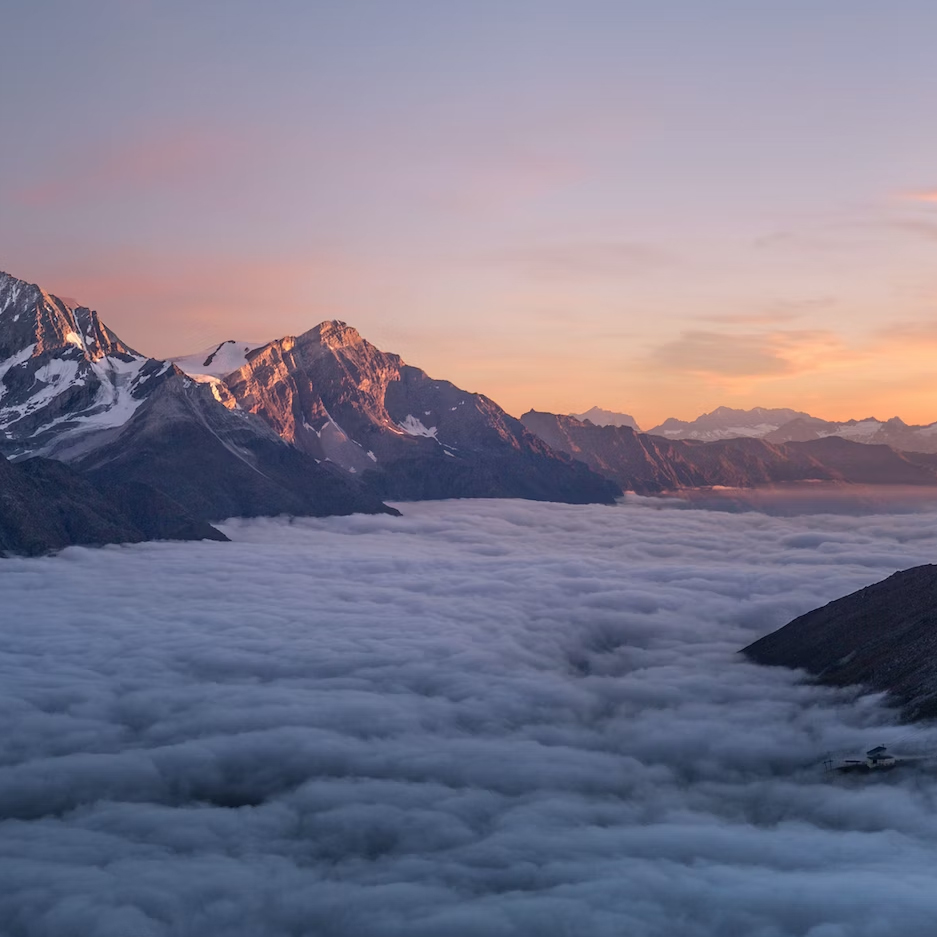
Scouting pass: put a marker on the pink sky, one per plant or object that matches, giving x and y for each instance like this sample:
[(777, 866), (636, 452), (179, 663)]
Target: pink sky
[(556, 204)]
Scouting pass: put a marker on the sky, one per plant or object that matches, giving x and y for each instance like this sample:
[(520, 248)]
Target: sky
[(481, 719), (654, 207)]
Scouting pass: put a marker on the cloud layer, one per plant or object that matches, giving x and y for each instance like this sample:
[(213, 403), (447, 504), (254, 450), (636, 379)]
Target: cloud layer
[(482, 719)]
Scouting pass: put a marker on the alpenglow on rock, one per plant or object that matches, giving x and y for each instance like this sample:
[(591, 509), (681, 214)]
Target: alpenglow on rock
[(335, 396), (153, 440), (320, 424), (63, 374)]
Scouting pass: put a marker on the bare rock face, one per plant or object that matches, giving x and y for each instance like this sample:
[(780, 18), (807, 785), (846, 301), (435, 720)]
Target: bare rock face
[(338, 398), (64, 376), (883, 637), (647, 464)]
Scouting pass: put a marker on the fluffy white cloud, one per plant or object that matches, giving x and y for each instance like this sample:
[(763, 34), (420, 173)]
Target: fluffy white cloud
[(483, 719)]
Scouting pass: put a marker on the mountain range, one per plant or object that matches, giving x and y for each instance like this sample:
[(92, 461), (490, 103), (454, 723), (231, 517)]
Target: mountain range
[(777, 425), (784, 425), (327, 423), (648, 464), (727, 423), (321, 423)]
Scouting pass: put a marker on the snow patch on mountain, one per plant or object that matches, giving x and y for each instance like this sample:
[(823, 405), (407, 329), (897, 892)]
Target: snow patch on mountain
[(858, 431), (216, 361), (414, 427), (63, 374)]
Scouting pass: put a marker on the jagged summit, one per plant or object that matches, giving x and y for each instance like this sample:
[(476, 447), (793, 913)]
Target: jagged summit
[(63, 373), (335, 396), (31, 316), (332, 333)]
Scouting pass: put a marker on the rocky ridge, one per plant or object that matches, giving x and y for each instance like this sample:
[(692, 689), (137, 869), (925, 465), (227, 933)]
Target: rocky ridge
[(883, 637), (45, 505), (323, 423), (336, 397)]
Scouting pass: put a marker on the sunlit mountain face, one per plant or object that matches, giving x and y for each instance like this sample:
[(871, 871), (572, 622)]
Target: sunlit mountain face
[(64, 374)]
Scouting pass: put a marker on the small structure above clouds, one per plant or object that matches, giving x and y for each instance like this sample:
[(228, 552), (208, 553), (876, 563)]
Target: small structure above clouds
[(879, 757)]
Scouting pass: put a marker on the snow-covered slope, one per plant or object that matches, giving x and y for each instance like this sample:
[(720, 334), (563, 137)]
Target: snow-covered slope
[(63, 374), (727, 423), (217, 361), (601, 417)]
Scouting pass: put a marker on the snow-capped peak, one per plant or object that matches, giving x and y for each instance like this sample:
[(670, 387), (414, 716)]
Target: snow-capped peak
[(63, 373)]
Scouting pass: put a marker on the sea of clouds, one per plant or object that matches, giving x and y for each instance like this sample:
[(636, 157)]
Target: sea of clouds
[(482, 719)]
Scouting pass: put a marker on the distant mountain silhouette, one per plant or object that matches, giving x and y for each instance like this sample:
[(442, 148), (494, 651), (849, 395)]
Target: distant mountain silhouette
[(607, 418), (784, 425), (726, 423), (649, 464)]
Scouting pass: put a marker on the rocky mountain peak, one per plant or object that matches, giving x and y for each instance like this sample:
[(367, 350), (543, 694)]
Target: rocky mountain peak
[(63, 373), (332, 333), (31, 317)]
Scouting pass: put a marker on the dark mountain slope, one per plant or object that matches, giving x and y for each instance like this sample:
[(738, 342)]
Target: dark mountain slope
[(219, 462), (45, 506), (884, 636)]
